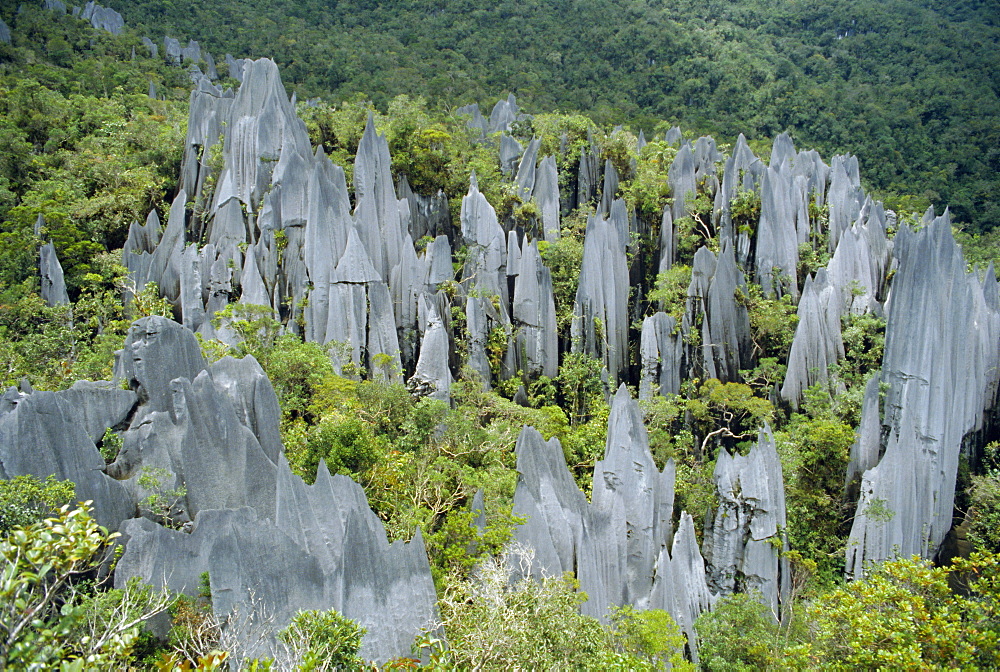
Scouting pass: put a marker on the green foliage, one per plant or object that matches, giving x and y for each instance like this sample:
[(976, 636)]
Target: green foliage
[(347, 444), (25, 500), (492, 623), (739, 633), (580, 385), (984, 500), (48, 616), (814, 453), (458, 545), (670, 291), (651, 636), (649, 191), (864, 342), (904, 615), (744, 210), (323, 640), (563, 257), (161, 503), (772, 322)]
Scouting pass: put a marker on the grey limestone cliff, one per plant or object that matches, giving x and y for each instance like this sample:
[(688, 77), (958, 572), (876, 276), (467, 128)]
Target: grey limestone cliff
[(744, 542), (940, 366)]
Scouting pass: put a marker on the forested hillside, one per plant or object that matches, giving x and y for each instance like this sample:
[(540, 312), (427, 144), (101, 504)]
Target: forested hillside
[(705, 380), (910, 87)]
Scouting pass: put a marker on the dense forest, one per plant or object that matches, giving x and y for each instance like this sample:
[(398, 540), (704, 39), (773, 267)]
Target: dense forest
[(94, 132), (910, 87)]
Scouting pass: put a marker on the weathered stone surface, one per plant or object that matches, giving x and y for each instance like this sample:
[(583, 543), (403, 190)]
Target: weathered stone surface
[(476, 119), (4, 32), (682, 184), (103, 18), (429, 215), (554, 507), (860, 264), (189, 427), (504, 113), (510, 154), (432, 376), (53, 287), (941, 368), (54, 433), (777, 254), (638, 501), (817, 344), (743, 544), (55, 6), (546, 193), (485, 266), (865, 449), (845, 196), (727, 346), (254, 399), (534, 316), (386, 588), (662, 352), (154, 50), (600, 323), (680, 587), (618, 544)]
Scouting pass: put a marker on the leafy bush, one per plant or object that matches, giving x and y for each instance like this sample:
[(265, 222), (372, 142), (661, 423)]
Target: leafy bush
[(322, 640), (48, 614), (738, 634), (27, 499), (906, 616)]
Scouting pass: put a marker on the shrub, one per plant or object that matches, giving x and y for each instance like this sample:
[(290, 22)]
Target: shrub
[(322, 640)]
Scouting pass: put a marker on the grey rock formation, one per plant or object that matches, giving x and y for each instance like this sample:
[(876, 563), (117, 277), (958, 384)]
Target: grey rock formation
[(588, 173), (618, 544), (485, 266), (55, 433), (103, 18), (555, 509), (386, 588), (681, 587), (428, 215), (4, 32), (743, 544), (254, 400), (634, 501), (865, 449), (235, 66), (683, 187), (727, 346), (777, 254), (860, 264), (476, 119), (259, 577), (189, 426), (600, 322), (724, 323), (845, 196), (662, 353), (172, 50), (743, 172), (941, 368), (55, 6), (504, 113), (546, 192), (154, 50), (53, 287), (510, 154), (432, 376), (817, 344), (534, 316)]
